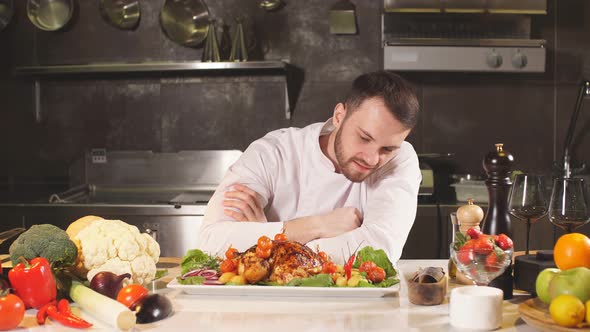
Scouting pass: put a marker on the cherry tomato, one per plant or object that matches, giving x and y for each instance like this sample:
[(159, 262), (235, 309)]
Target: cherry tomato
[(323, 257), (281, 237), (12, 311), (227, 265), (231, 253), (376, 275), (328, 267), (131, 294), (367, 266), (262, 253), (264, 242)]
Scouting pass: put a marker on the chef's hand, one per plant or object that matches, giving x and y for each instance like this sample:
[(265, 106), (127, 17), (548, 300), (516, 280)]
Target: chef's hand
[(340, 220), (334, 223), (243, 204)]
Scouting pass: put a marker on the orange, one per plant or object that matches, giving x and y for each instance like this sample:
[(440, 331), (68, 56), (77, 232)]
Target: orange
[(572, 250)]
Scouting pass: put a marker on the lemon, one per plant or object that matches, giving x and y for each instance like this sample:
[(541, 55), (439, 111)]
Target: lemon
[(588, 311), (567, 310)]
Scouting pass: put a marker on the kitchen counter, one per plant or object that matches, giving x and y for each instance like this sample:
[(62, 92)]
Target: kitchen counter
[(240, 313)]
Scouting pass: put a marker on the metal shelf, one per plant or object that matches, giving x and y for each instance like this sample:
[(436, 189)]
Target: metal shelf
[(146, 67), (283, 67)]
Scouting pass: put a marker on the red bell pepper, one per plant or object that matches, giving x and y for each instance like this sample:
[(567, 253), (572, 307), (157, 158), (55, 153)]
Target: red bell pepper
[(33, 282)]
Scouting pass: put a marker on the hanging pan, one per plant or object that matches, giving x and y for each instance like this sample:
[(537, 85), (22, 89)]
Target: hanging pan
[(6, 12), (185, 21), (50, 15), (122, 14)]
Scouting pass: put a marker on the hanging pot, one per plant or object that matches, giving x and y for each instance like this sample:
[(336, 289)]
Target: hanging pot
[(50, 15), (6, 12), (122, 14), (185, 21)]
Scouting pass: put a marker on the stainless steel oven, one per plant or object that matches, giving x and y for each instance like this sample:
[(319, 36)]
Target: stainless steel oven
[(463, 35), (163, 194)]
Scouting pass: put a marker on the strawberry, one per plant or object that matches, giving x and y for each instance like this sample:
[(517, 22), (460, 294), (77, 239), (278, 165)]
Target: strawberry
[(491, 264), (470, 244), (483, 245), (465, 255), (474, 232), (504, 242)]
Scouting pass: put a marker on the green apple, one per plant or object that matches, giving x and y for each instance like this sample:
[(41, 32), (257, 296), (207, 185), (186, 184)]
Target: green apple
[(542, 283), (574, 281)]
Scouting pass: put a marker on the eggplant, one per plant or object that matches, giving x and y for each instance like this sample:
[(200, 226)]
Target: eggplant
[(153, 308)]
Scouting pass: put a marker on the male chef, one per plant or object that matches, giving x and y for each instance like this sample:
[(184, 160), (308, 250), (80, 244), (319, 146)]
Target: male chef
[(352, 180)]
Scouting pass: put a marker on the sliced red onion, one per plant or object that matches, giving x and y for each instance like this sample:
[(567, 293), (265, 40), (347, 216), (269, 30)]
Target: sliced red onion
[(205, 273), (208, 274), (192, 273)]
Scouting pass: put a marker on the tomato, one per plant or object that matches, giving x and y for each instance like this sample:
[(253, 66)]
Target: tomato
[(231, 253), (328, 267), (227, 265), (376, 275), (262, 253), (264, 242), (367, 266), (323, 257), (12, 311), (281, 237), (131, 294)]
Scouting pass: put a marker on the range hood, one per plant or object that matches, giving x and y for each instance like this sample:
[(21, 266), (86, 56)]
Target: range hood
[(530, 7), (463, 35)]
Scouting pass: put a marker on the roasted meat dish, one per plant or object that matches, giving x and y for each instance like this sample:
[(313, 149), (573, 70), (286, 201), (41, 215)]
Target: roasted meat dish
[(288, 260)]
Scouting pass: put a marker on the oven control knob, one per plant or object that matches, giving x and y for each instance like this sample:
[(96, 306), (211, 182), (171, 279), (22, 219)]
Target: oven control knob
[(519, 60), (494, 59)]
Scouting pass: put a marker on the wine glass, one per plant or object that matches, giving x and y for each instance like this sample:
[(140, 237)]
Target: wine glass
[(527, 201), (568, 208)]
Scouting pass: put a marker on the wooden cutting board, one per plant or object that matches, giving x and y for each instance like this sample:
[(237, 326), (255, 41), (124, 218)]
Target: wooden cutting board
[(536, 313)]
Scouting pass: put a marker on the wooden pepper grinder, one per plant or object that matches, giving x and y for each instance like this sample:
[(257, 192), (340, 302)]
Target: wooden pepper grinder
[(498, 166)]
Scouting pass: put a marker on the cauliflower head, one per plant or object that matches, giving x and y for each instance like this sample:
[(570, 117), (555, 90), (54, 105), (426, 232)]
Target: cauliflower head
[(115, 246)]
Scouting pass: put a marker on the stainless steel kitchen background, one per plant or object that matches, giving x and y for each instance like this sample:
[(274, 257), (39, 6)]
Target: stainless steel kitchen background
[(462, 113)]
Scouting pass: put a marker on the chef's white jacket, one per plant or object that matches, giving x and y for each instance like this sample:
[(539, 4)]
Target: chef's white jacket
[(295, 179)]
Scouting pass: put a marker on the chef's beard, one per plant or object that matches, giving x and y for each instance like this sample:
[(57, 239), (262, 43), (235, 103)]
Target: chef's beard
[(347, 167)]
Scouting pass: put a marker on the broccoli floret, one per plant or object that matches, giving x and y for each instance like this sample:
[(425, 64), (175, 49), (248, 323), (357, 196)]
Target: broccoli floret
[(48, 241)]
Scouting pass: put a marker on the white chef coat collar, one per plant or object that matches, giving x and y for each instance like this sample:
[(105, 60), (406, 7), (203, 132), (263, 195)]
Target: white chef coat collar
[(325, 129)]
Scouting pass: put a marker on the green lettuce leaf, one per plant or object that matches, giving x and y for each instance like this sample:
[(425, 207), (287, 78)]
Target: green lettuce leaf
[(197, 280), (365, 283), (388, 282), (320, 280), (378, 257), (196, 259)]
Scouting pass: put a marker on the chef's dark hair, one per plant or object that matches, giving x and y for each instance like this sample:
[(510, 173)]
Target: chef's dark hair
[(396, 92)]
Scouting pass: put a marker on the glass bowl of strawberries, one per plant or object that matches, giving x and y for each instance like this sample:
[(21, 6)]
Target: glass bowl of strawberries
[(481, 257)]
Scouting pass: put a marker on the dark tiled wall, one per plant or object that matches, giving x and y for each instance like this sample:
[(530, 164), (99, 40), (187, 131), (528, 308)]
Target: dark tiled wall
[(462, 113)]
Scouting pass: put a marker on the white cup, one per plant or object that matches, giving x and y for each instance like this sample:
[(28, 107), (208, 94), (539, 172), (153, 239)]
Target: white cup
[(476, 307)]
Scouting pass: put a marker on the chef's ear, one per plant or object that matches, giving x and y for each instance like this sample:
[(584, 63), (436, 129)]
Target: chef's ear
[(339, 115)]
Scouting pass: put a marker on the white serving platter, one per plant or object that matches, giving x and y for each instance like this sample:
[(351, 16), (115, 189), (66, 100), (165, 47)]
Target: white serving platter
[(284, 291)]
